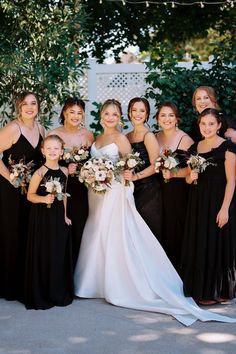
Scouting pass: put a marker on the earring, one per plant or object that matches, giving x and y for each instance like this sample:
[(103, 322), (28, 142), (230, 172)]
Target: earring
[(102, 124), (218, 131), (176, 126)]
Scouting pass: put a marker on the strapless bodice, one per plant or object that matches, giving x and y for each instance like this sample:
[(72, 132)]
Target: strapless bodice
[(110, 151)]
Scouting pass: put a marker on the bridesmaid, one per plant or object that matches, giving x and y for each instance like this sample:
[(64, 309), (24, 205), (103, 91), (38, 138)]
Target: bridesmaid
[(19, 139), (73, 133), (208, 255), (147, 192), (175, 192), (205, 97)]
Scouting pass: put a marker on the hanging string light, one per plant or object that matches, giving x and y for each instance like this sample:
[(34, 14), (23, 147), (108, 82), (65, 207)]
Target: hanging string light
[(224, 4)]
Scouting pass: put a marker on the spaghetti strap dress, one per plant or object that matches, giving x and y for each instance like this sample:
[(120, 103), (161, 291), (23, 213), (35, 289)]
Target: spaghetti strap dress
[(49, 272), (147, 194), (14, 212), (208, 256), (174, 206)]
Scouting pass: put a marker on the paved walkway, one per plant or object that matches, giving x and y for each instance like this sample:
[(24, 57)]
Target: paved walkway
[(95, 327)]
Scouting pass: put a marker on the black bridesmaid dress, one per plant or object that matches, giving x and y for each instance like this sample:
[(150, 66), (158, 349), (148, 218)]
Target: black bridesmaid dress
[(147, 194), (77, 211), (49, 271), (208, 256), (14, 212), (174, 205)]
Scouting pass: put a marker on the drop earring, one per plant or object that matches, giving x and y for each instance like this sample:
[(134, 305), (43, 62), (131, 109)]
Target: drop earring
[(176, 126)]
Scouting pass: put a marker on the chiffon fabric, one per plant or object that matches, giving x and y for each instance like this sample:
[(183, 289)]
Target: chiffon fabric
[(147, 194), (121, 261), (14, 214), (208, 260), (49, 271)]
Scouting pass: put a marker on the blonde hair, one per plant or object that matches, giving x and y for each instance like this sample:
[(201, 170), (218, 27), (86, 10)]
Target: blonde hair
[(210, 92), (53, 137), (112, 102)]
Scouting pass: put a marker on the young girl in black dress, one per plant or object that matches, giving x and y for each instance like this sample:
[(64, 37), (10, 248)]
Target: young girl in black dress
[(49, 279), (208, 256)]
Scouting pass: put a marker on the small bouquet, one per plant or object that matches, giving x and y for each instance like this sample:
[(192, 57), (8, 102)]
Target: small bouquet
[(167, 161), (53, 186), (20, 173), (198, 164), (128, 162), (98, 174), (76, 155)]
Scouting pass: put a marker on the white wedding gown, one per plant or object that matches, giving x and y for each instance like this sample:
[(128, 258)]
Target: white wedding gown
[(121, 261)]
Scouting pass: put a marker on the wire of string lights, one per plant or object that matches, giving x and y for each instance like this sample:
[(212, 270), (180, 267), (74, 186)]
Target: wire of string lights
[(224, 4)]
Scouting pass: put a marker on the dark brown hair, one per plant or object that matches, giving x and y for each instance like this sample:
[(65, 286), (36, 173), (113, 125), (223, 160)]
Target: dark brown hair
[(139, 99), (69, 102), (213, 112), (172, 106)]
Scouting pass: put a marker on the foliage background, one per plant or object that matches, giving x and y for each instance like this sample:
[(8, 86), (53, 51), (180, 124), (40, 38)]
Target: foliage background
[(40, 44)]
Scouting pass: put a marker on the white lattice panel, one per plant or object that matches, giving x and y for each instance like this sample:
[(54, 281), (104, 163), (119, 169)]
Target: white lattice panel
[(122, 86)]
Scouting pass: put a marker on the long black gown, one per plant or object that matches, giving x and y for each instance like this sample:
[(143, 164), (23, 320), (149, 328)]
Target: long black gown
[(14, 212), (208, 256), (147, 194), (49, 271), (77, 211), (174, 205)]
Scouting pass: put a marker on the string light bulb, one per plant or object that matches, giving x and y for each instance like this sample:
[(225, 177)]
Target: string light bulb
[(201, 5), (123, 2), (172, 4), (147, 4)]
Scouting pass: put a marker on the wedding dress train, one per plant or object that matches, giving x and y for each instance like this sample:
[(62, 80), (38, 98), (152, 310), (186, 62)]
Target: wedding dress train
[(121, 261)]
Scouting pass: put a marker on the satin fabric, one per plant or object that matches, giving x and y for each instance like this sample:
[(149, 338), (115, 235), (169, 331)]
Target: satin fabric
[(121, 261)]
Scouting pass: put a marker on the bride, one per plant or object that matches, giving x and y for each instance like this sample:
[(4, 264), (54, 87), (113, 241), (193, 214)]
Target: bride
[(120, 259)]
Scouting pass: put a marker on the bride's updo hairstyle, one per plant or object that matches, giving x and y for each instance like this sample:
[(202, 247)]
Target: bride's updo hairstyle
[(112, 102), (139, 99)]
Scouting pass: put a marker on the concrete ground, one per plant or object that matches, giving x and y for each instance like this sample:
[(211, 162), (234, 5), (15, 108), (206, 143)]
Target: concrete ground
[(95, 327)]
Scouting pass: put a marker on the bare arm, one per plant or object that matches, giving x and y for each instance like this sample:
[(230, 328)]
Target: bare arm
[(223, 215), (67, 220), (8, 136), (123, 144), (32, 195)]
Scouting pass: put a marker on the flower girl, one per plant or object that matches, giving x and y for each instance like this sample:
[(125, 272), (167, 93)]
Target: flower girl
[(49, 279)]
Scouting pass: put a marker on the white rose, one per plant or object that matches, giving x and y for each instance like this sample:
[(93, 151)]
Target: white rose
[(77, 157), (81, 151), (170, 163), (120, 163), (58, 187), (12, 176), (67, 155), (131, 163), (49, 186)]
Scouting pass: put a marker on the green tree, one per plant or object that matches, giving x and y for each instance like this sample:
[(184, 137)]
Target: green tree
[(40, 43), (111, 25), (169, 82)]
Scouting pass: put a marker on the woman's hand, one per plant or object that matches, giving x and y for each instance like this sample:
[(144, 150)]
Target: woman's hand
[(68, 221), (49, 198), (193, 176), (72, 168), (128, 175), (222, 217), (166, 174)]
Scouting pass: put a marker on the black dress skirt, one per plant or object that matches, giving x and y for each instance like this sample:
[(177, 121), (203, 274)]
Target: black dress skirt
[(208, 255), (14, 214), (49, 271), (147, 194)]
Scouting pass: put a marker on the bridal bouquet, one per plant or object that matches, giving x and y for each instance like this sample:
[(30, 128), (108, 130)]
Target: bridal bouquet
[(76, 155), (167, 161), (198, 164), (97, 174), (53, 186), (127, 162), (20, 173)]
